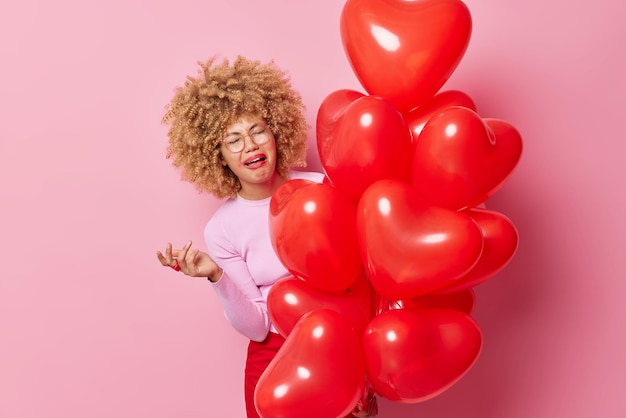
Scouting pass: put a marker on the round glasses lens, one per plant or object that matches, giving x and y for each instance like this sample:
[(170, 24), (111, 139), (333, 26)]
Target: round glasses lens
[(234, 144)]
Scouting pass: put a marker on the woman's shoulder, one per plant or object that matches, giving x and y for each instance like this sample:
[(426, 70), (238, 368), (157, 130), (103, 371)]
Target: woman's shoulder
[(223, 215), (307, 175)]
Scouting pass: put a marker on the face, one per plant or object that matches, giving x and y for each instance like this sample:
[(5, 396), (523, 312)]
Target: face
[(249, 150)]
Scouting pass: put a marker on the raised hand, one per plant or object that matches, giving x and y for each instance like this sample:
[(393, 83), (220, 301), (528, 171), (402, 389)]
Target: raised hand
[(191, 262)]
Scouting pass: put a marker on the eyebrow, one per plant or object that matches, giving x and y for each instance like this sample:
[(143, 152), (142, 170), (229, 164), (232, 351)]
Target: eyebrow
[(239, 133)]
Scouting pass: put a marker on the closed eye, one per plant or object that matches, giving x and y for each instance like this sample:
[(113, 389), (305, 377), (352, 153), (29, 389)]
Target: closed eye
[(233, 141)]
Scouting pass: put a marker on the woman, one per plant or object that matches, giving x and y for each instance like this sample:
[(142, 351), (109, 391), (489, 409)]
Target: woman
[(236, 131)]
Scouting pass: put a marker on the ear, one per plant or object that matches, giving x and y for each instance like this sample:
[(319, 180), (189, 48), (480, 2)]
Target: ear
[(222, 160)]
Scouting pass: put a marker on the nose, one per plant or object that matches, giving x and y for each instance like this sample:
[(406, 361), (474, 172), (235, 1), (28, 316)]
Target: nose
[(249, 144)]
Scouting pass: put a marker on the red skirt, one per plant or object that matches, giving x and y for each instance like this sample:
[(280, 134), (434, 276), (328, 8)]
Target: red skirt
[(259, 356)]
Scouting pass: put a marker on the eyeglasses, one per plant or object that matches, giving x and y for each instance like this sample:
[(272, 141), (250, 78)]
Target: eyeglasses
[(259, 134)]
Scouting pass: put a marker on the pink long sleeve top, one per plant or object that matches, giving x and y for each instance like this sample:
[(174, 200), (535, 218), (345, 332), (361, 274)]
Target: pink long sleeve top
[(238, 239)]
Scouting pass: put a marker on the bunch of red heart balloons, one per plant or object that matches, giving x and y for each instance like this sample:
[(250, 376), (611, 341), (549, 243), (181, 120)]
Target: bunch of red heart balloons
[(384, 254)]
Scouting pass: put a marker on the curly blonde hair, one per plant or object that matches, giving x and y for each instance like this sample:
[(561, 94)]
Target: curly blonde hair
[(202, 110)]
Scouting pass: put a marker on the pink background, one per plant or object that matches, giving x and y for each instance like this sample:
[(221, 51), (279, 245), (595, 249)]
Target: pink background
[(92, 326)]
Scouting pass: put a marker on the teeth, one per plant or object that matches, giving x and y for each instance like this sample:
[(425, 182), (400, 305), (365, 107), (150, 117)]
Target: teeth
[(254, 161)]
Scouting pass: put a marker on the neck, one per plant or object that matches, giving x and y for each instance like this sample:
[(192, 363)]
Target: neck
[(263, 190)]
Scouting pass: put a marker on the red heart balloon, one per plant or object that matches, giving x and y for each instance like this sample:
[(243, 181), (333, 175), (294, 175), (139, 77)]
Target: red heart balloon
[(291, 298), (417, 118), (410, 247), (313, 231), (403, 50), (460, 159), (370, 141), (318, 372), (330, 111), (501, 240), (509, 145), (412, 356)]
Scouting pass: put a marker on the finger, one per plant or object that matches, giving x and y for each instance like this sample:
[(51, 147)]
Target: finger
[(194, 256), (181, 255), (176, 253), (168, 253), (161, 258), (191, 256), (192, 259)]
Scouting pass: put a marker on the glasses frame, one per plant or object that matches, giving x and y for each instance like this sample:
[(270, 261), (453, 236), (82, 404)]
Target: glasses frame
[(258, 130)]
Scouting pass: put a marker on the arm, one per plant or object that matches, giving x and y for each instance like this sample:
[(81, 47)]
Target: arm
[(244, 305)]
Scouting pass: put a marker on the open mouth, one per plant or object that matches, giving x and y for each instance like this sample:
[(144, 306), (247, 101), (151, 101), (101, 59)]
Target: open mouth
[(255, 161)]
